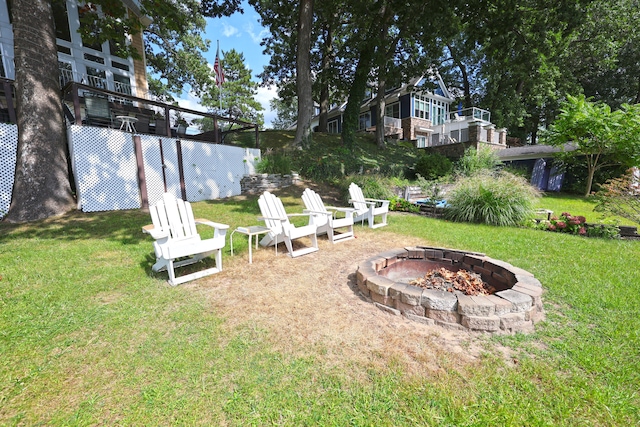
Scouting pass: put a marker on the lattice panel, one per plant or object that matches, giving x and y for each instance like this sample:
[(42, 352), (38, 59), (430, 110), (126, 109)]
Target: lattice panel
[(213, 171), (105, 170), (153, 166), (8, 150)]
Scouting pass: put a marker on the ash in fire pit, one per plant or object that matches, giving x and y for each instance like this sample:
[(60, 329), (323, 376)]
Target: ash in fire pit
[(462, 280), (456, 289)]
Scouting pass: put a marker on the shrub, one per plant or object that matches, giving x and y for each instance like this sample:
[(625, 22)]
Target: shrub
[(433, 166), (604, 231), (621, 197), (275, 163), (494, 198), (474, 161), (399, 204), (566, 223)]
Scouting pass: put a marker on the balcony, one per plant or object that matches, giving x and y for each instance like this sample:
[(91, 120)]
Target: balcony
[(68, 76), (470, 124), (150, 117)]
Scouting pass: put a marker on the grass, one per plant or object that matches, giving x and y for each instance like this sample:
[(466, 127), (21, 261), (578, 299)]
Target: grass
[(88, 335), (578, 205)]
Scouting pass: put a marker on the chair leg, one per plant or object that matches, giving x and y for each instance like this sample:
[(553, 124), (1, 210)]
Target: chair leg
[(172, 274), (219, 260)]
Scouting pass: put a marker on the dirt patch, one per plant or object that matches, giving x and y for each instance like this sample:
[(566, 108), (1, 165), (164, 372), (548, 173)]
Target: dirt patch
[(310, 306)]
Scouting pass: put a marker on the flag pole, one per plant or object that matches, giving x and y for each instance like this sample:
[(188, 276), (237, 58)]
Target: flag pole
[(217, 76)]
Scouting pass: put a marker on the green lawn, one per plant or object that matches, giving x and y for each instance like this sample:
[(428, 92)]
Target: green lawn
[(578, 205), (88, 336)]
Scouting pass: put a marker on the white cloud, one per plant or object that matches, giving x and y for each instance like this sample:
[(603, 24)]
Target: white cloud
[(229, 30), (257, 38), (266, 94)]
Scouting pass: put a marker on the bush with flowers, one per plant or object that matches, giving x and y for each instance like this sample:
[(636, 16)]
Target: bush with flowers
[(567, 223)]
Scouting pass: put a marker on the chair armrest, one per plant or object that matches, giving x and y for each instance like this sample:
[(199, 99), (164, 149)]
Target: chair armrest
[(376, 200), (335, 208), (368, 202), (274, 218), (309, 211), (211, 223), (298, 214), (154, 232)]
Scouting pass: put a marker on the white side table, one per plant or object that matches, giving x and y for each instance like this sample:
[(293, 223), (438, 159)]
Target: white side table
[(255, 230), (127, 122)]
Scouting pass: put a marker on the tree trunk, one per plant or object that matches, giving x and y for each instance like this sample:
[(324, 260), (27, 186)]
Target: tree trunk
[(590, 173), (465, 77), (41, 188), (356, 94), (327, 58), (380, 98), (303, 74)]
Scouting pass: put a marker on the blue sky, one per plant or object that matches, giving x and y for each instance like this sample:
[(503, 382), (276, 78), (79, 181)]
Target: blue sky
[(243, 33)]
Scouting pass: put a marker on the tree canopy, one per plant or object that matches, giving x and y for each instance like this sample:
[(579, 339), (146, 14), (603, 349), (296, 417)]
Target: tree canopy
[(602, 136), (518, 60)]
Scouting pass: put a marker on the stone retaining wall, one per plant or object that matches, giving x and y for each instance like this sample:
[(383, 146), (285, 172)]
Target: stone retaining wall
[(259, 183), (515, 307)]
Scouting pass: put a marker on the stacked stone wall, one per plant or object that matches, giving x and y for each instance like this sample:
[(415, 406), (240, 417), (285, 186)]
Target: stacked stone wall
[(259, 183)]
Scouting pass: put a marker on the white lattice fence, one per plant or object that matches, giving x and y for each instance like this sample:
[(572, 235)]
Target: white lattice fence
[(8, 149), (153, 165), (213, 171), (104, 167)]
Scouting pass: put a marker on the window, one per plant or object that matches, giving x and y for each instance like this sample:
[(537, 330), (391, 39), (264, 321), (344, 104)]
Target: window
[(332, 126), (365, 121), (392, 110), (60, 20), (96, 78), (88, 15), (118, 47), (422, 141), (93, 58), (122, 84), (2, 72), (439, 109), (421, 107), (66, 72), (120, 66)]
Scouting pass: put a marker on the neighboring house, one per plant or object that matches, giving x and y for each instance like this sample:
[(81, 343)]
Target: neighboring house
[(421, 111), (100, 66)]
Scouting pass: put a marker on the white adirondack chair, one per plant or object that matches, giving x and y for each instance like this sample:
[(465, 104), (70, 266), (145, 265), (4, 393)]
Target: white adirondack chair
[(281, 230), (368, 208), (325, 217), (178, 242)]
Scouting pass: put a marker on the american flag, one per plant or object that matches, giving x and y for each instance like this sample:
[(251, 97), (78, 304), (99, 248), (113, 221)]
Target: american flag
[(217, 68)]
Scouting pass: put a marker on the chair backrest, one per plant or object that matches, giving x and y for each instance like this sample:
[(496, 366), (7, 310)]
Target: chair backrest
[(313, 202), (175, 216), (97, 107), (271, 207), (357, 198)]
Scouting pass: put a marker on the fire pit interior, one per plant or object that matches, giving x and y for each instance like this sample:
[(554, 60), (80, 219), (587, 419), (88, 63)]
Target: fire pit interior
[(453, 288)]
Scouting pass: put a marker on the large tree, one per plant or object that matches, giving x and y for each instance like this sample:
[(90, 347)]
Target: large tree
[(41, 186), (601, 136)]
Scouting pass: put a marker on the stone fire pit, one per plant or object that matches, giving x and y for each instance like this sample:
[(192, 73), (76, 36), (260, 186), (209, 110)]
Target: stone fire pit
[(514, 307)]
